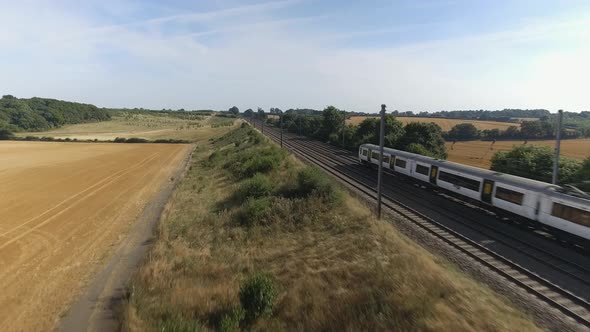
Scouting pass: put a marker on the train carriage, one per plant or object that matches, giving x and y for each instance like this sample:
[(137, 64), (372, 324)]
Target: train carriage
[(525, 198)]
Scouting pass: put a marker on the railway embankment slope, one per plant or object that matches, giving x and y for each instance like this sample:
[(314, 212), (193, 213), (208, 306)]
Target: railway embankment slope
[(254, 239)]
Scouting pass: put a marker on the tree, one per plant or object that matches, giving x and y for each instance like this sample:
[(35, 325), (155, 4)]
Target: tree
[(464, 132), (428, 135), (234, 110), (249, 112), (5, 134), (332, 119), (512, 132), (534, 162), (261, 114)]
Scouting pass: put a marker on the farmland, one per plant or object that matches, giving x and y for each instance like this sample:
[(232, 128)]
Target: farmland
[(445, 124), (149, 126), (479, 153), (64, 207)]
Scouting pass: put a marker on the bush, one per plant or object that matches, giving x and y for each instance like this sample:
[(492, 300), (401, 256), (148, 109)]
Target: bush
[(137, 140), (257, 186), (312, 181), (120, 140), (248, 162), (257, 296), (254, 211), (6, 134), (231, 321)]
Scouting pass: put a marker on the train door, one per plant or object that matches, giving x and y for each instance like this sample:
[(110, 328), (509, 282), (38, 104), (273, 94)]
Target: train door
[(433, 174), (391, 162), (486, 192)]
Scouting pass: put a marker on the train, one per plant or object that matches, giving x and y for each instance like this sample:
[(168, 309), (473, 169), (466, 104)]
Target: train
[(563, 211)]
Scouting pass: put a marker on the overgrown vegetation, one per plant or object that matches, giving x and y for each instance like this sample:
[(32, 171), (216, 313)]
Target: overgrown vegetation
[(38, 114), (284, 248)]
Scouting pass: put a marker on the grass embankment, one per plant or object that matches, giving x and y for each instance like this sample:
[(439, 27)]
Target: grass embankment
[(255, 240)]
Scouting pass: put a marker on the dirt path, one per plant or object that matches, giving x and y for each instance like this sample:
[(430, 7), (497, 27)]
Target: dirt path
[(99, 307), (64, 208)]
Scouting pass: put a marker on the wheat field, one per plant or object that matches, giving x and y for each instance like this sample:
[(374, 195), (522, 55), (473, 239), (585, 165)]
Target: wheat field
[(479, 153), (445, 124)]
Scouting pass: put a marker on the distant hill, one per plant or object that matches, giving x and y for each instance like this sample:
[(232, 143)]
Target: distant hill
[(39, 114)]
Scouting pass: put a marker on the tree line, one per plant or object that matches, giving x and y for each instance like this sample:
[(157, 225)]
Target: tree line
[(540, 129), (39, 114), (329, 126)]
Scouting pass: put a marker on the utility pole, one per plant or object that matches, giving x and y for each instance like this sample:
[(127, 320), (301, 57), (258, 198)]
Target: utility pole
[(343, 126), (262, 121), (281, 118), (557, 147), (380, 173)]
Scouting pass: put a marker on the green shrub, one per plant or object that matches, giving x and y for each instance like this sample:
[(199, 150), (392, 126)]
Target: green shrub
[(6, 134), (257, 296), (254, 211), (136, 140), (231, 321), (262, 162), (257, 186), (120, 140), (312, 181)]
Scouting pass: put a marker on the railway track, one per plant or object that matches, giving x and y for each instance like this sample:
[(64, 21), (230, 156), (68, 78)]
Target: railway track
[(334, 162)]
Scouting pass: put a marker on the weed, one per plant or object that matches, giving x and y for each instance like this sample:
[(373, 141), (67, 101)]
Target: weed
[(257, 296), (179, 325), (312, 181), (257, 186), (254, 211), (231, 321)]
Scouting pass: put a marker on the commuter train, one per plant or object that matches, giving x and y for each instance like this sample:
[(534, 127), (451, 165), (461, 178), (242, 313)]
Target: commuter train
[(545, 205)]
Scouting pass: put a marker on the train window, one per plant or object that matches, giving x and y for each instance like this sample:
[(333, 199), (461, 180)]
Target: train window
[(386, 159), (509, 195), (459, 181), (365, 152), (375, 155), (422, 169), (400, 163), (572, 214)]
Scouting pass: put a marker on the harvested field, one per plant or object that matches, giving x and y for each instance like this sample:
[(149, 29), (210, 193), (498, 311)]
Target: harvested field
[(479, 153), (445, 124), (140, 125), (64, 207)]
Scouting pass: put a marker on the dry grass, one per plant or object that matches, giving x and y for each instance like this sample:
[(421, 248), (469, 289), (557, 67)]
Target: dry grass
[(141, 125), (445, 124), (335, 269), (479, 153)]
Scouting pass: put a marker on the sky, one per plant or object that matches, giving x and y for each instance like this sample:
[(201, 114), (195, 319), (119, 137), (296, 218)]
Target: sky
[(412, 55)]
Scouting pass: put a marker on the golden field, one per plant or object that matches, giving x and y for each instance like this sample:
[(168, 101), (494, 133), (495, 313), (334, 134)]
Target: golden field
[(147, 126), (479, 153), (63, 207), (445, 124)]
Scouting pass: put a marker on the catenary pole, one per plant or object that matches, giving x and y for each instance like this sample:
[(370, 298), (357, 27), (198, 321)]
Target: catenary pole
[(343, 126), (281, 115), (380, 174), (557, 147)]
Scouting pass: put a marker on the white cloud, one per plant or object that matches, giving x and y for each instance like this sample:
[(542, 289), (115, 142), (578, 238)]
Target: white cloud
[(271, 61)]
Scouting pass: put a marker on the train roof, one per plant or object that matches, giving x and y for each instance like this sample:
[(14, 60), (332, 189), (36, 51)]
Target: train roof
[(475, 171)]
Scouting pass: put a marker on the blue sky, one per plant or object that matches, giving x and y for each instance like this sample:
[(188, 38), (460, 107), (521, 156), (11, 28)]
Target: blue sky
[(411, 55)]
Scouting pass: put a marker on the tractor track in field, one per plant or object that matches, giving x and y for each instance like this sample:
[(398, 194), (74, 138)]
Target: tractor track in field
[(559, 277)]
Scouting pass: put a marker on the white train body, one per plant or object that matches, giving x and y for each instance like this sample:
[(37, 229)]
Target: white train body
[(530, 199)]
